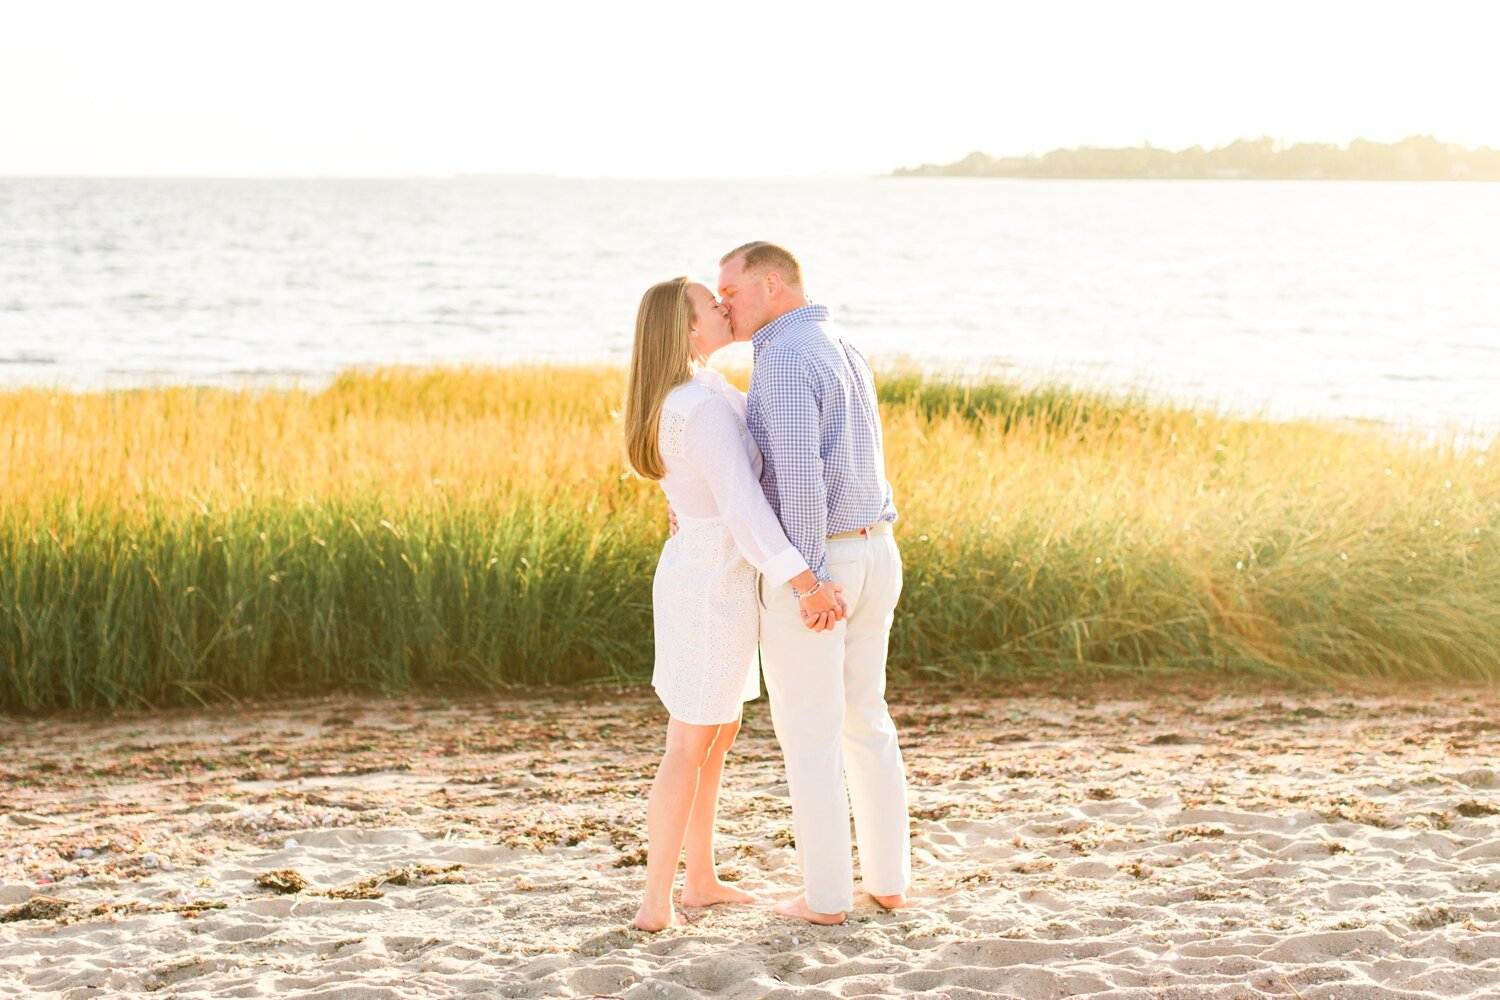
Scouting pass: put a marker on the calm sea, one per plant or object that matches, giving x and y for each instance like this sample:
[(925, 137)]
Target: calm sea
[(1364, 300)]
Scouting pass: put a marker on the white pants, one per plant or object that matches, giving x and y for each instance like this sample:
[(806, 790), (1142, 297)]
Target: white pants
[(828, 708)]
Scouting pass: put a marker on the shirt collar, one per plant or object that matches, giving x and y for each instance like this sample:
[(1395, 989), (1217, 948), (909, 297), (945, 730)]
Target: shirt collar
[(811, 313)]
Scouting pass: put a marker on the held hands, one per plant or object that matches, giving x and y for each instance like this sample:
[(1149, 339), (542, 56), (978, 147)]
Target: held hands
[(823, 608)]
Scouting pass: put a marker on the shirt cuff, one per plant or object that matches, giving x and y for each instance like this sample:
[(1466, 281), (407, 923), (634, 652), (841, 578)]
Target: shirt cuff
[(781, 567)]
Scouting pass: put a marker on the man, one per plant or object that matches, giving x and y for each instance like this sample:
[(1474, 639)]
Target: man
[(812, 411)]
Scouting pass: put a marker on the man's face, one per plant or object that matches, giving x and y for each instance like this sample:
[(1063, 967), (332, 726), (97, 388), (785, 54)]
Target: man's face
[(746, 296)]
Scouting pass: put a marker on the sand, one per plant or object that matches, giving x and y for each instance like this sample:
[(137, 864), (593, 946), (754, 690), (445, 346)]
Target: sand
[(1165, 846)]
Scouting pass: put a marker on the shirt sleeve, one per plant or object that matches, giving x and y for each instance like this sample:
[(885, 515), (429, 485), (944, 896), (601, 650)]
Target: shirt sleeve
[(792, 413), (712, 443), (870, 398)]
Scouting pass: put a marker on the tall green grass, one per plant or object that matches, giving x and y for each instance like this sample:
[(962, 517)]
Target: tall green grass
[(472, 527)]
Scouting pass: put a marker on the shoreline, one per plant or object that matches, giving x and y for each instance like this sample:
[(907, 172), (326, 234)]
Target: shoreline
[(1469, 435)]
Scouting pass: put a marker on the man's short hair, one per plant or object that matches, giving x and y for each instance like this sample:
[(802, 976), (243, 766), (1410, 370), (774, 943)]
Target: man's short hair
[(761, 257)]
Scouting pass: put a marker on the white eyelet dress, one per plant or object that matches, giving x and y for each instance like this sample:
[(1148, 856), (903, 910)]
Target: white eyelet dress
[(703, 597)]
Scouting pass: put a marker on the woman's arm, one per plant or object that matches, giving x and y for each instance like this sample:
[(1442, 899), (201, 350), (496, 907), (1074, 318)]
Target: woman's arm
[(711, 441)]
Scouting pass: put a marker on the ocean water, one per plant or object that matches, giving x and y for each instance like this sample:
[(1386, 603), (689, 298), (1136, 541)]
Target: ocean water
[(1364, 300)]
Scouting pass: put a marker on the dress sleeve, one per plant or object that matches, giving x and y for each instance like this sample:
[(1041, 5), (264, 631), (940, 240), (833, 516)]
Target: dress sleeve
[(712, 443)]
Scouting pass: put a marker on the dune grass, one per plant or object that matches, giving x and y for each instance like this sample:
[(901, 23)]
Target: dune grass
[(412, 527)]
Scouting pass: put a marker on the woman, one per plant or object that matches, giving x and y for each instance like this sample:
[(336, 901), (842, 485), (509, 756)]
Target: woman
[(684, 426)]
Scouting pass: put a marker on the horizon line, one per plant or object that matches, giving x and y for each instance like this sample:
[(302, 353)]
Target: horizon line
[(895, 171), (446, 176)]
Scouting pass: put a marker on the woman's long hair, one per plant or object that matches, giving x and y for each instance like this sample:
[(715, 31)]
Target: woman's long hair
[(660, 361)]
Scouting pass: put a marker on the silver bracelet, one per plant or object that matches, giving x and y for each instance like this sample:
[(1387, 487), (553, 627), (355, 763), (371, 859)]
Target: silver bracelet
[(813, 590)]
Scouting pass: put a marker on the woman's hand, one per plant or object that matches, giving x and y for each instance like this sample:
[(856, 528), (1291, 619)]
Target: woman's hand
[(823, 608)]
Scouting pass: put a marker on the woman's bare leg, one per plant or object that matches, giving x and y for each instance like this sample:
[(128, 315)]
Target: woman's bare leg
[(667, 812), (701, 885)]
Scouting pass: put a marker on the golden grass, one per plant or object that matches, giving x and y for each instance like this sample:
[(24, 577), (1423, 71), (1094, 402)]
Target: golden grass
[(473, 526)]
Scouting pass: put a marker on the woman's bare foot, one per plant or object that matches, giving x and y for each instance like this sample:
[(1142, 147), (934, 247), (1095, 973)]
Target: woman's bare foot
[(798, 908), (657, 918), (714, 893)]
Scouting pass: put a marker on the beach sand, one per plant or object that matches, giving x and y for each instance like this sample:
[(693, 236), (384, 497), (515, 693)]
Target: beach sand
[(1168, 845)]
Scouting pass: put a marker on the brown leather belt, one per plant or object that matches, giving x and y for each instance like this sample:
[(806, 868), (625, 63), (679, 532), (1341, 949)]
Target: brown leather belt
[(878, 528)]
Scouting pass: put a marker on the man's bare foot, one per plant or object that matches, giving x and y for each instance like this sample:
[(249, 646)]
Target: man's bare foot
[(657, 918), (714, 893), (894, 901), (798, 908)]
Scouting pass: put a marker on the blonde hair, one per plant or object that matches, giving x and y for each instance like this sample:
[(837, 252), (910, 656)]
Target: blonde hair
[(762, 256), (660, 361)]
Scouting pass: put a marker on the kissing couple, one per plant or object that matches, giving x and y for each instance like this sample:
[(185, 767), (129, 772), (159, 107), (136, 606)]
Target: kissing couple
[(783, 540)]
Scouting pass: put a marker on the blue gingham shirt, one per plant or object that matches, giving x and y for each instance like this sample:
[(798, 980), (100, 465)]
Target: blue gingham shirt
[(811, 409)]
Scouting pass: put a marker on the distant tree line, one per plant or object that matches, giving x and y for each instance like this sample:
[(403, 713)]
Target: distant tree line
[(1416, 158)]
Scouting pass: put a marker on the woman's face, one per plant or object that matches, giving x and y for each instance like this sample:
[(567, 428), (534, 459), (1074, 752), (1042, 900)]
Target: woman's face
[(710, 330)]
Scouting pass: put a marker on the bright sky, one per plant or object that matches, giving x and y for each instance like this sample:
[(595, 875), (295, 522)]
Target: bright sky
[(672, 89)]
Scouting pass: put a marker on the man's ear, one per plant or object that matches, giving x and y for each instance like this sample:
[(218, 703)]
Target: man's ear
[(773, 284)]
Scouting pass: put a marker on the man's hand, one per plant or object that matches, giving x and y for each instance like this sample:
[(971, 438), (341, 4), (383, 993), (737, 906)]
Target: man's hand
[(824, 609), (672, 521)]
